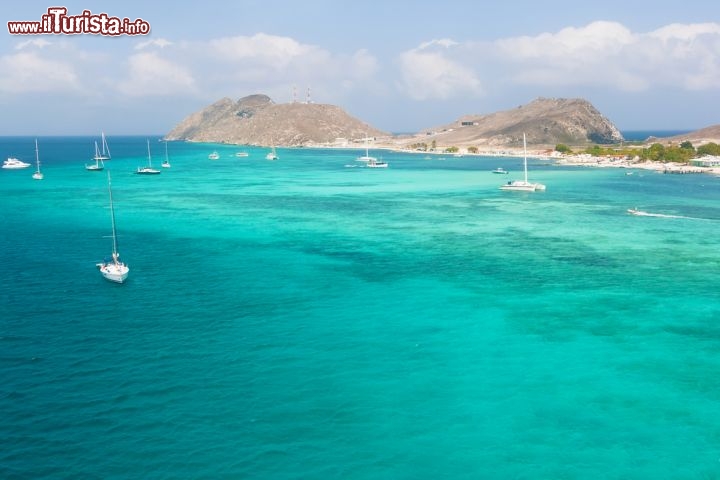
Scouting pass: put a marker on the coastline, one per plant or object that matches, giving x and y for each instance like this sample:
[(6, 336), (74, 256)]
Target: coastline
[(578, 160)]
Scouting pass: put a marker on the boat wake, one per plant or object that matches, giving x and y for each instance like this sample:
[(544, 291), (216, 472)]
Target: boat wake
[(641, 213)]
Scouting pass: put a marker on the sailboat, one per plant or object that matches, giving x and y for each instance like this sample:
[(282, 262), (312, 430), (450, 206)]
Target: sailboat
[(100, 156), (366, 157), (166, 162), (113, 269), (148, 170), (523, 185), (38, 174), (272, 155)]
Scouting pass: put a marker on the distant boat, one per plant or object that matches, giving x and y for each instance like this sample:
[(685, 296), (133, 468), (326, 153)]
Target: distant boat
[(14, 164), (272, 155), (375, 163), (642, 213), (100, 156), (214, 156), (501, 171), (366, 157), (523, 185), (242, 154), (148, 170), (38, 174), (166, 162), (113, 269)]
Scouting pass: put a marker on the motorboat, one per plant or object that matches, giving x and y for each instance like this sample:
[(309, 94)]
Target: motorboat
[(14, 164)]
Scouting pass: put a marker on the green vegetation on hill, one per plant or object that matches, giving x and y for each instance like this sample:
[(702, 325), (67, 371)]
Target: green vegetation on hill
[(656, 152)]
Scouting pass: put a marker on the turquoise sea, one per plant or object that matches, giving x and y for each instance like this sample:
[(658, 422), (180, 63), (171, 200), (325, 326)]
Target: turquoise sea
[(301, 319)]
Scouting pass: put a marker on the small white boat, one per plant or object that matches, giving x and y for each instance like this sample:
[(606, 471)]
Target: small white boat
[(214, 156), (500, 171), (375, 163), (38, 175), (113, 269), (367, 157), (166, 162), (242, 154), (272, 155), (149, 170), (14, 164), (100, 155), (523, 185)]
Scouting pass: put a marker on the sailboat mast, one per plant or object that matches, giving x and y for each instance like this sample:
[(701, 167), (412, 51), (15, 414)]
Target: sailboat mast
[(105, 147), (149, 158), (525, 157), (37, 156), (112, 219)]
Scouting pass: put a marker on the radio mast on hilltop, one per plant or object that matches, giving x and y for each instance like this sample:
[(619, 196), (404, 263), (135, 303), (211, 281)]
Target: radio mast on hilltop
[(294, 94), (307, 99)]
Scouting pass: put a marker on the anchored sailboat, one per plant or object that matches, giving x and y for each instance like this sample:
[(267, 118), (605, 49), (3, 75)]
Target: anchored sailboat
[(100, 156), (166, 162), (523, 185), (148, 170), (113, 269), (38, 175)]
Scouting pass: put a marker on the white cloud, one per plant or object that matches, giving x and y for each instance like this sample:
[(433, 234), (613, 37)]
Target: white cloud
[(431, 75), (273, 64), (607, 54), (28, 72), (149, 74), (154, 42), (602, 54), (34, 42)]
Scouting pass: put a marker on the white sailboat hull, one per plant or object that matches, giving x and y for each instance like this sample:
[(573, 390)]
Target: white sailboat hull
[(520, 186), (115, 272)]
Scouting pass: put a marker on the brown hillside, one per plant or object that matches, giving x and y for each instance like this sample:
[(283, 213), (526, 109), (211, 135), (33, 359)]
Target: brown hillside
[(257, 120), (546, 121)]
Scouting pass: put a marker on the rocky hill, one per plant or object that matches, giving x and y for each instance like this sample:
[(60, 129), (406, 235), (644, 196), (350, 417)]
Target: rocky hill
[(697, 137), (545, 121), (257, 120)]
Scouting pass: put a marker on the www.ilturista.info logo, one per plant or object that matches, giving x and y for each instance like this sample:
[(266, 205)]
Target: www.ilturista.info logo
[(57, 21)]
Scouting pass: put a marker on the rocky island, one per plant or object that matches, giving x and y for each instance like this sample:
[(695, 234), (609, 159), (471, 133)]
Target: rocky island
[(545, 121), (257, 120)]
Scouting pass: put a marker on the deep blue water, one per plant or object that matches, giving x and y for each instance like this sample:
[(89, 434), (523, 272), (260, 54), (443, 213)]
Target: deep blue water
[(642, 135), (305, 319)]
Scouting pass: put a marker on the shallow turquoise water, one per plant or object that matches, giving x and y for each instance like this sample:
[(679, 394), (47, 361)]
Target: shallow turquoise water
[(304, 319)]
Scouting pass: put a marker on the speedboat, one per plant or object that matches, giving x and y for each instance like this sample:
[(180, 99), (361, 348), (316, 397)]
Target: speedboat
[(501, 171), (14, 163), (640, 213), (214, 156)]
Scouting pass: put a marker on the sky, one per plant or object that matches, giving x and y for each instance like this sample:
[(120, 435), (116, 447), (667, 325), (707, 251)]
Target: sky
[(398, 65)]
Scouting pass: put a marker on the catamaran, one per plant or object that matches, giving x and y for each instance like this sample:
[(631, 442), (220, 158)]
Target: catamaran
[(113, 269), (523, 185)]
